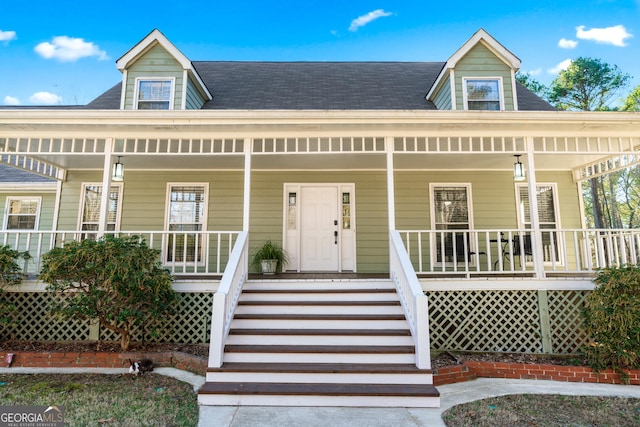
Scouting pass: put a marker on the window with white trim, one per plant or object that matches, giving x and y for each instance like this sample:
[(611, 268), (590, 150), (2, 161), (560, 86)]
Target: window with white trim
[(90, 209), (22, 213), (451, 210), (483, 93), (547, 216), (186, 214), (154, 94)]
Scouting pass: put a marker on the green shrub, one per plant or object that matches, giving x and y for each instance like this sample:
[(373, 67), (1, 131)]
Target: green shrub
[(10, 275), (118, 281), (612, 319)]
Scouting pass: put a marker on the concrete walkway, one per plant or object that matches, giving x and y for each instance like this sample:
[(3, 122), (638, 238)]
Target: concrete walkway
[(282, 416)]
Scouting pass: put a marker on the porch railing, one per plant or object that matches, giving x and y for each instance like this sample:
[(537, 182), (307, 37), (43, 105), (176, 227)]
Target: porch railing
[(187, 253), (513, 251), (226, 298), (413, 299)]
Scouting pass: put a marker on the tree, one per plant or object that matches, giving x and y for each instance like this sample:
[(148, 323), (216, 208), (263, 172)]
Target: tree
[(632, 101), (118, 281), (533, 85), (588, 84)]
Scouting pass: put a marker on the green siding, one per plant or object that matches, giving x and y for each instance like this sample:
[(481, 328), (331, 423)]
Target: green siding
[(145, 195), (194, 98), (47, 207), (493, 198), (372, 247), (442, 99), (481, 62), (156, 62)]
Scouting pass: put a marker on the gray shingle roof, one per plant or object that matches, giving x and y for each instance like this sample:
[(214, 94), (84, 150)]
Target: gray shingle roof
[(318, 86), (9, 174)]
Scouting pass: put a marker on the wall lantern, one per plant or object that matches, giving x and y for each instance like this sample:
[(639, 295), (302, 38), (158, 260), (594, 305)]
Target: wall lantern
[(118, 171), (518, 169)]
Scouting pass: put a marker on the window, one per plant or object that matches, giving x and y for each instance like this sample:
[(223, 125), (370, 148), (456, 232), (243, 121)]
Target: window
[(450, 210), (90, 213), (22, 213), (154, 94), (547, 216), (186, 212), (483, 94)]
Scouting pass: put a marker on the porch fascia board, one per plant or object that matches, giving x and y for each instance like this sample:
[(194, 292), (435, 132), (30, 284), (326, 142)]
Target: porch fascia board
[(443, 284)]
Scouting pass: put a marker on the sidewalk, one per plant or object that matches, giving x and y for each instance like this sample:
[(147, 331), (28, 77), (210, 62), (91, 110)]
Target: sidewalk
[(451, 395), (283, 416)]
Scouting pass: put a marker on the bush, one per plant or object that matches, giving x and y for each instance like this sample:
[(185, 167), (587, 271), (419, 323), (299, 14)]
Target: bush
[(118, 281), (612, 319), (10, 275)]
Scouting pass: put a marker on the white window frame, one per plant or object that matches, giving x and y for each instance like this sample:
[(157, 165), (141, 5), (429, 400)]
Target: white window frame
[(167, 240), (36, 223), (432, 207), (465, 95), (83, 191), (140, 80), (522, 224)]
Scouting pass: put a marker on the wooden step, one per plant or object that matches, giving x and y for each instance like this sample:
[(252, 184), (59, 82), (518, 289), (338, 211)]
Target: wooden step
[(317, 349), (335, 368), (366, 317), (307, 303), (354, 332), (318, 394)]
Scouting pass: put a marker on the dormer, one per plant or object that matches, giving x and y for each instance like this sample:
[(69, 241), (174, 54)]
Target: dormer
[(157, 76), (479, 76)]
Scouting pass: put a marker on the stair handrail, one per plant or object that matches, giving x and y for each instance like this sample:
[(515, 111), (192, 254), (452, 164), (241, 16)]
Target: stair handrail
[(413, 299), (226, 298)]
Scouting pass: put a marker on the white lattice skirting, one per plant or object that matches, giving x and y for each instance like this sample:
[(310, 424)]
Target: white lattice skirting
[(502, 321)]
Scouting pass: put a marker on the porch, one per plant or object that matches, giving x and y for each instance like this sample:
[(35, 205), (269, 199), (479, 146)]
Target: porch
[(458, 253)]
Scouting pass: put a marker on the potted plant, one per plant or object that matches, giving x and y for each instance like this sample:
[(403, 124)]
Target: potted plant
[(269, 258)]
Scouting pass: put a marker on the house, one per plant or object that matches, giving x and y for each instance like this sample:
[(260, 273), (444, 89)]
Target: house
[(408, 180)]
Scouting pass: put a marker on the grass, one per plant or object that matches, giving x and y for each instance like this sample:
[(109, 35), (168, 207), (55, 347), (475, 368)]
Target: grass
[(106, 400), (545, 410)]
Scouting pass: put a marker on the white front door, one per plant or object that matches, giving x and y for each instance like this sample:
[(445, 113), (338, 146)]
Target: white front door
[(319, 244)]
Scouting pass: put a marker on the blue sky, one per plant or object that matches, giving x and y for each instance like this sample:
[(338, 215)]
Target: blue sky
[(64, 52)]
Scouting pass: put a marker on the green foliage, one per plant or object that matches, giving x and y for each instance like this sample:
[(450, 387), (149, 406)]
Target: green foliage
[(269, 251), (612, 319), (10, 275), (632, 101), (10, 271), (588, 84), (118, 281)]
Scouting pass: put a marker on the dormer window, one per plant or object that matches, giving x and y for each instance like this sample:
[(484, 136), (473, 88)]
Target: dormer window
[(483, 94), (154, 94)]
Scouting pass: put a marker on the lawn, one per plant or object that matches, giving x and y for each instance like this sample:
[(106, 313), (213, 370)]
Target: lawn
[(545, 410), (106, 400)]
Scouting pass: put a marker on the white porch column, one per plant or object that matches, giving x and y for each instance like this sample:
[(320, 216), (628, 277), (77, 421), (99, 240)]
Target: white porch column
[(391, 204), (106, 188), (247, 184), (536, 241)]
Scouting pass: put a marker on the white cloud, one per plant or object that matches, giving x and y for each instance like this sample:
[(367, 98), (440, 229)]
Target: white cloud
[(7, 36), (567, 44), (561, 66), (45, 98), (615, 35), (535, 72), (363, 20), (65, 48), (11, 100)]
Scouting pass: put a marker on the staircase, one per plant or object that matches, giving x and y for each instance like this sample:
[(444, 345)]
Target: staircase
[(319, 343)]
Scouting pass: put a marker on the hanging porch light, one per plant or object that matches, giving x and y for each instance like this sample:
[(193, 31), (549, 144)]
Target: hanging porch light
[(118, 171), (518, 169)]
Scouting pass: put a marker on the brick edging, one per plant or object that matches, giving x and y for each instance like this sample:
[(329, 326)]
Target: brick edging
[(448, 375), (99, 359), (470, 370)]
